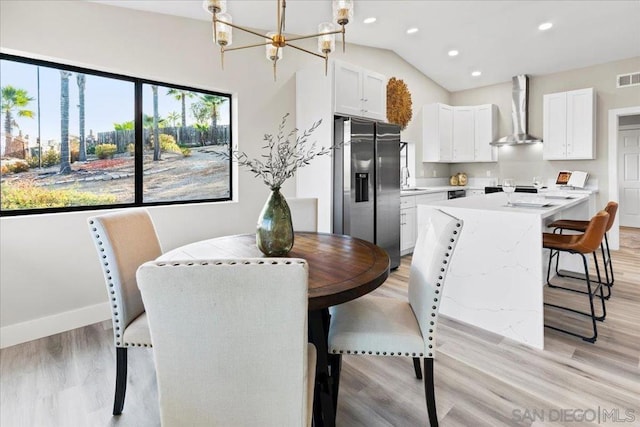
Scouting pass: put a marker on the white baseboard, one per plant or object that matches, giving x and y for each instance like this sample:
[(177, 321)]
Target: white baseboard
[(54, 324)]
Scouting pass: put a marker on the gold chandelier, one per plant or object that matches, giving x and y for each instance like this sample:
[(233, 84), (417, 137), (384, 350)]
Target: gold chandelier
[(276, 41)]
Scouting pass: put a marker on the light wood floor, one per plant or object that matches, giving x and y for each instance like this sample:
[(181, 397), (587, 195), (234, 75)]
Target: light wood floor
[(481, 379)]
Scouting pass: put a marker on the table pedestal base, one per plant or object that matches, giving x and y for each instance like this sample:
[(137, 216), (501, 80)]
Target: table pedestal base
[(324, 397)]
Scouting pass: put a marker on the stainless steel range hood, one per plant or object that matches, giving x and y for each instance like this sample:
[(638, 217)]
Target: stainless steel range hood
[(519, 103)]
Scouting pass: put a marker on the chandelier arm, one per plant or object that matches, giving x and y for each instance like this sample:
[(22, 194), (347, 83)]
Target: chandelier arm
[(289, 39), (307, 51), (247, 46), (238, 27)]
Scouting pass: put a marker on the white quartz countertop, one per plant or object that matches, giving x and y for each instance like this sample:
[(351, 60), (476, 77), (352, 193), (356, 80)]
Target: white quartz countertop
[(497, 202)]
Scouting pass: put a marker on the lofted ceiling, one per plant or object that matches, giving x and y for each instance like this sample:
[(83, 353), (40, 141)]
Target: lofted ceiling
[(499, 38)]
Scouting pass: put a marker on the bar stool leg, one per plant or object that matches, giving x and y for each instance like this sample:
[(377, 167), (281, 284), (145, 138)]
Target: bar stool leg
[(551, 255), (599, 288), (607, 283), (593, 315), (608, 267), (608, 260), (591, 295)]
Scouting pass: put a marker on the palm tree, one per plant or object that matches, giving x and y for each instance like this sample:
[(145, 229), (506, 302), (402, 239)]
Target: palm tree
[(182, 95), (172, 118), (14, 99), (121, 133), (65, 155), (81, 78), (203, 128), (123, 126), (156, 134), (213, 102)]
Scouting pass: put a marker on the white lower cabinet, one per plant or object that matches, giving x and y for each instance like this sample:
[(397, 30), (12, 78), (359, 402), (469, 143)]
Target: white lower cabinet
[(407, 230), (408, 219), (407, 224)]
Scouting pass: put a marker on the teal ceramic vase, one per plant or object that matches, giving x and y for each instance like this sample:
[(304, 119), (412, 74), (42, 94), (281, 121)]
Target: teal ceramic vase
[(274, 233)]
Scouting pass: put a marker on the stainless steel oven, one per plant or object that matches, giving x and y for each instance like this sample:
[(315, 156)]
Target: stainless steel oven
[(519, 189), (455, 194)]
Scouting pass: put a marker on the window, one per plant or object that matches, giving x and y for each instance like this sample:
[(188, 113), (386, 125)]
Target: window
[(75, 139)]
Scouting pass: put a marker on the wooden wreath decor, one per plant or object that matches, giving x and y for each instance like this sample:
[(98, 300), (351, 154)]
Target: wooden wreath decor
[(399, 109)]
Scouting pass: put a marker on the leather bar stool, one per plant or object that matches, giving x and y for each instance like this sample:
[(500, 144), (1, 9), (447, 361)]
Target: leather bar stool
[(582, 244), (581, 226)]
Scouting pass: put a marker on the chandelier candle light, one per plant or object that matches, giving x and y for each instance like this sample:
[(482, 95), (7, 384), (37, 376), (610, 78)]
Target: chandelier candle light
[(275, 41)]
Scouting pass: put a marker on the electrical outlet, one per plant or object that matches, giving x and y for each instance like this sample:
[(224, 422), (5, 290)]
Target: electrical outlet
[(435, 173), (488, 173)]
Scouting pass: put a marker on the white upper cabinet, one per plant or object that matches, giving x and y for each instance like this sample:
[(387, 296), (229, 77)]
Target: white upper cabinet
[(360, 92), (486, 131), (459, 134), (374, 93), (569, 125), (437, 133), (463, 134), (348, 89)]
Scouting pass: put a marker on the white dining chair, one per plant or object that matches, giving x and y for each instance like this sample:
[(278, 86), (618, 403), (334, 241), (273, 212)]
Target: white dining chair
[(124, 241), (304, 213), (379, 326), (230, 341)]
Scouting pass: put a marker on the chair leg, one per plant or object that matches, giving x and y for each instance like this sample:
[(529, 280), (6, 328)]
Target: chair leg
[(608, 268), (551, 255), (591, 295), (416, 367), (593, 313), (598, 288), (607, 283), (121, 380), (429, 391), (608, 259), (335, 364)]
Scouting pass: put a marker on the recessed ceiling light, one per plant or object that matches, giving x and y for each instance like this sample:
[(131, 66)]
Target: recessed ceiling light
[(545, 26), (370, 20), (453, 53), (412, 30), (476, 73)]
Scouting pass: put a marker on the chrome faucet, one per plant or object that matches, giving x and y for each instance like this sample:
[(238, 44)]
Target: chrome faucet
[(404, 173)]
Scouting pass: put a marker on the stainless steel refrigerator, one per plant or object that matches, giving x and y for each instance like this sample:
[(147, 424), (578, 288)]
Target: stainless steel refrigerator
[(366, 183)]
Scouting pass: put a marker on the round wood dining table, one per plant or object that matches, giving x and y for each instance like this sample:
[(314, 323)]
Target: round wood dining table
[(341, 268)]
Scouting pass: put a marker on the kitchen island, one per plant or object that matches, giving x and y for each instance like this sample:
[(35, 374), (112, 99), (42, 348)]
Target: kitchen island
[(498, 271)]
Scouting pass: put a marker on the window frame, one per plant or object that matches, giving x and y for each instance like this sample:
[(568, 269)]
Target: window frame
[(138, 83)]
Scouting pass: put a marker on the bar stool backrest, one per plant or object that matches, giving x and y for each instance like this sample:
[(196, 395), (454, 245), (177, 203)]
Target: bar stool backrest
[(593, 235), (611, 209)]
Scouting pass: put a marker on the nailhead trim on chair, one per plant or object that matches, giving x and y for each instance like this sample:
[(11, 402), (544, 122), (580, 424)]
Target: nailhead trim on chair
[(114, 307), (436, 300), (184, 263), (435, 306), (227, 262)]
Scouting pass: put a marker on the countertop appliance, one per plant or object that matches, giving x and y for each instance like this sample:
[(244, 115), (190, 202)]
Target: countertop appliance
[(366, 183), (456, 194), (519, 189)]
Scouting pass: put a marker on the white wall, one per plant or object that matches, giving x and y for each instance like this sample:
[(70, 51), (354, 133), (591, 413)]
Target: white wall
[(525, 162), (50, 279)]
